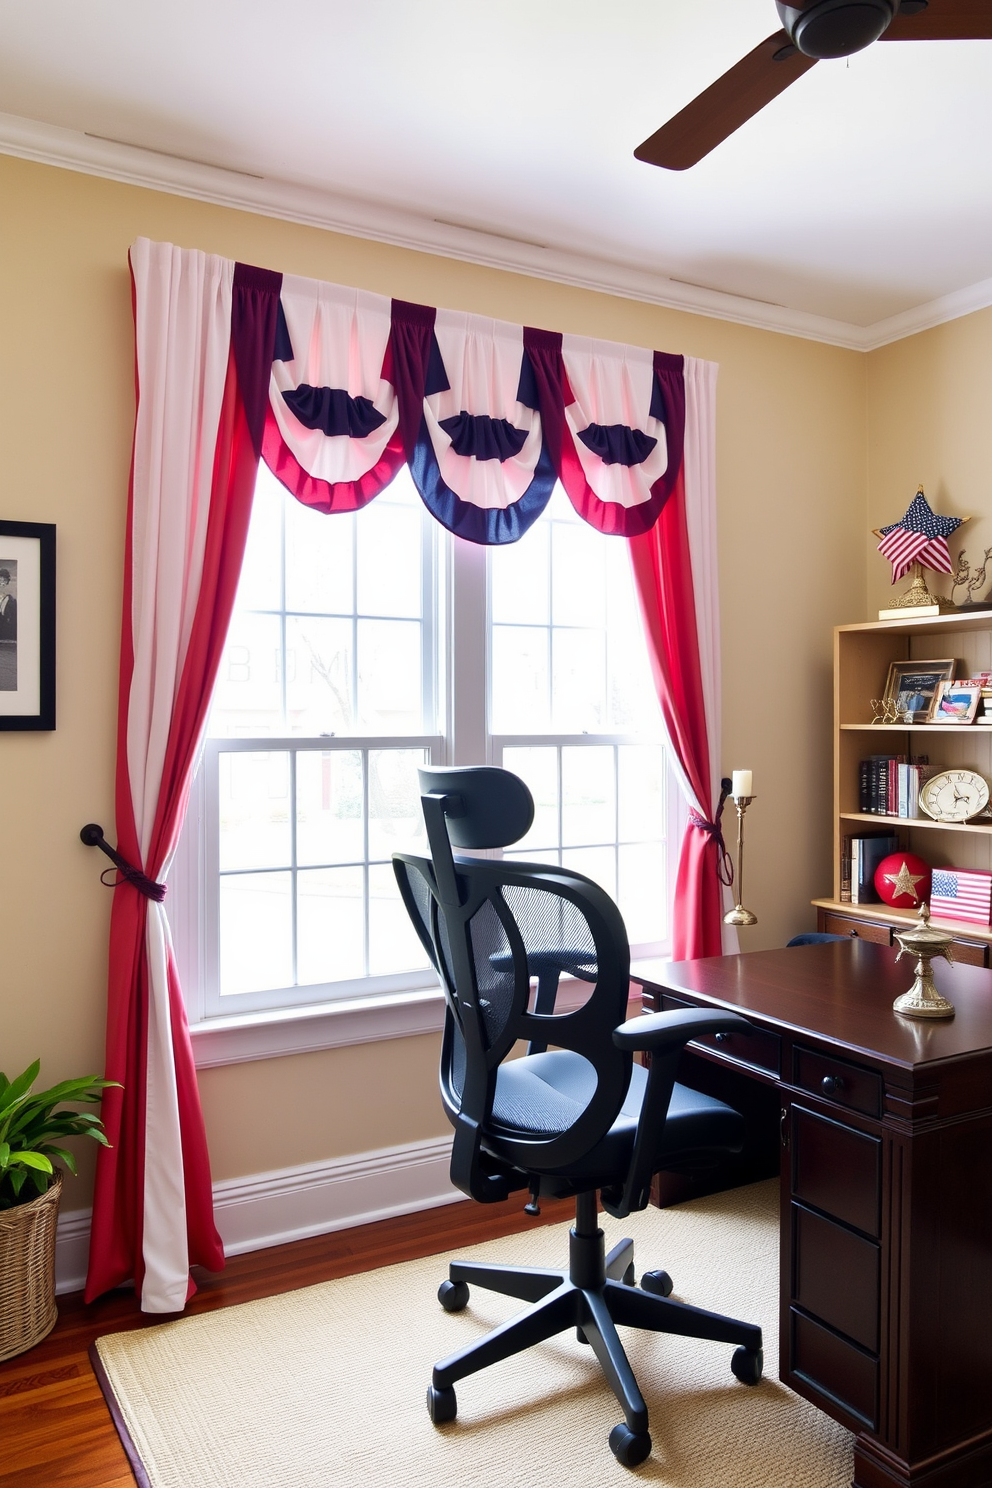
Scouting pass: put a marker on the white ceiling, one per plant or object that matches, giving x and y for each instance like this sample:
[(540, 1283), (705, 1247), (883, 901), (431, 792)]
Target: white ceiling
[(862, 192)]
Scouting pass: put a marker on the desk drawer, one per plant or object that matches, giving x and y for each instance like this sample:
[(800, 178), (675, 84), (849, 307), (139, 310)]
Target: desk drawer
[(836, 1276), (846, 1084), (835, 924), (757, 1048), (835, 1367), (837, 1170)]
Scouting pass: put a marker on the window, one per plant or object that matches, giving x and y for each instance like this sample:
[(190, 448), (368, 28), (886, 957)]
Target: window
[(361, 646)]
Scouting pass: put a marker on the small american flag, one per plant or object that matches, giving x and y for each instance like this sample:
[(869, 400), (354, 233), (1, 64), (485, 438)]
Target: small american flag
[(921, 537), (960, 894)]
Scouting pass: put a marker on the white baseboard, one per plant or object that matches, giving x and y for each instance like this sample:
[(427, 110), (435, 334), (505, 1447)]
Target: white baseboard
[(267, 1209)]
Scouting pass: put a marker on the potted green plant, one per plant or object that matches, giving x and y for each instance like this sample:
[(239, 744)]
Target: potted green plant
[(32, 1127)]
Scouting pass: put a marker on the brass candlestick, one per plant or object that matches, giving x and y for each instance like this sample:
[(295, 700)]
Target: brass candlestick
[(739, 915), (923, 1000)]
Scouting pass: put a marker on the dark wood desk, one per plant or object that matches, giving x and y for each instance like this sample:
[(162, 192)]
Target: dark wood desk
[(886, 1191)]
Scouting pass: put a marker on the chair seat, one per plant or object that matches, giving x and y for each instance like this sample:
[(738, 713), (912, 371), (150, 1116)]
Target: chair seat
[(545, 1093)]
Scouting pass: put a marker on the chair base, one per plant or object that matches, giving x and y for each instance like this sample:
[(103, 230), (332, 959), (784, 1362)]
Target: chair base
[(594, 1295)]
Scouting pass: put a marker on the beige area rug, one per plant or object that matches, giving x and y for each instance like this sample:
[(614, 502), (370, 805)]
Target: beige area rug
[(324, 1387)]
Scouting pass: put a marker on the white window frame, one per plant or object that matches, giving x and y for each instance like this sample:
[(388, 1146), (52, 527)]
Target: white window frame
[(381, 1007)]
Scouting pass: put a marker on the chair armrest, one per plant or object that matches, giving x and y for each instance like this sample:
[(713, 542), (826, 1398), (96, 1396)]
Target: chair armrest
[(663, 1035), (658, 1032)]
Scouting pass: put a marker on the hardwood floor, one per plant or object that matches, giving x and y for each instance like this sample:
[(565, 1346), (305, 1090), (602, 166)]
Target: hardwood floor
[(55, 1429)]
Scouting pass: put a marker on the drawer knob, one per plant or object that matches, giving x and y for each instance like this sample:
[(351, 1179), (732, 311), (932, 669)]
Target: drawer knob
[(855, 935), (721, 1038), (830, 1084)]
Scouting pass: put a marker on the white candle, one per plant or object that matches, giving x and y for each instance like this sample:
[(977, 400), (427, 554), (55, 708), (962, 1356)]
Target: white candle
[(742, 783)]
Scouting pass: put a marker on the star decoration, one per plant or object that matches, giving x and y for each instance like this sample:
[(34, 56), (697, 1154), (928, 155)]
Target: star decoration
[(920, 537), (904, 882)]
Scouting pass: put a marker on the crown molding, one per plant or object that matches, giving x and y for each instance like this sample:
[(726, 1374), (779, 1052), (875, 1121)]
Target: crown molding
[(49, 144), (925, 317)]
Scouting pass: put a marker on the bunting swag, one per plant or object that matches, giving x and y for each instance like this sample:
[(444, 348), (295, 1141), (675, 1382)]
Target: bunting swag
[(335, 388), (488, 415), (614, 417), (332, 425)]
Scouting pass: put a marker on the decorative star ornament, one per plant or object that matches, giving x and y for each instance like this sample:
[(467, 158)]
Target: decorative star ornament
[(904, 882), (921, 537)]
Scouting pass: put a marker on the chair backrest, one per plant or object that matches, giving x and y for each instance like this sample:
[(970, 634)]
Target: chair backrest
[(813, 937), (489, 927)]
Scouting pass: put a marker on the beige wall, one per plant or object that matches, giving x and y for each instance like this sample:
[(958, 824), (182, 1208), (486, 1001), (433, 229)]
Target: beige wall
[(792, 493), (930, 423)]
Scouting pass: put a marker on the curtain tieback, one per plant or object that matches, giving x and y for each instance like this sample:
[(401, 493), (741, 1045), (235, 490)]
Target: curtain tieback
[(93, 836), (724, 863)]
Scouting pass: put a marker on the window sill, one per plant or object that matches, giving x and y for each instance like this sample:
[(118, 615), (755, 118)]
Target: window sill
[(335, 1025), (328, 1025)]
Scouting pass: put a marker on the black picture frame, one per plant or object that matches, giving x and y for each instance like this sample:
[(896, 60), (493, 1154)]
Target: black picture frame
[(27, 630)]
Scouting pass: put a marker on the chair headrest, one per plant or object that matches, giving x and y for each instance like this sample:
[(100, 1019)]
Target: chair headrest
[(490, 807)]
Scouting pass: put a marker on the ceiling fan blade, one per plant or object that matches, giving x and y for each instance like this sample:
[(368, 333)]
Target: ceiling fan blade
[(944, 20), (725, 105)]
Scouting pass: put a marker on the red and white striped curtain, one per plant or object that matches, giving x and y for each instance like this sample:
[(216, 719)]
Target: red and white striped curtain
[(335, 388)]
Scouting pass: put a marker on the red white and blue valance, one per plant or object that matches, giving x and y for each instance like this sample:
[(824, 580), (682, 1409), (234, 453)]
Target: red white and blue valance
[(488, 415)]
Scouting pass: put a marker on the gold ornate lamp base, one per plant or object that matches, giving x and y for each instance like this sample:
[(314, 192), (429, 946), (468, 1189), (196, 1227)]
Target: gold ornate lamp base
[(923, 1000), (739, 915), (917, 593)]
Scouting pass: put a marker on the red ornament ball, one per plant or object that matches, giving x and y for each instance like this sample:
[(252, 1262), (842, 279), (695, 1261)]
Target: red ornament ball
[(903, 881)]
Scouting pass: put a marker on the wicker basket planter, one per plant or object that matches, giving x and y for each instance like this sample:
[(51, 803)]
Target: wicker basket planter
[(27, 1271)]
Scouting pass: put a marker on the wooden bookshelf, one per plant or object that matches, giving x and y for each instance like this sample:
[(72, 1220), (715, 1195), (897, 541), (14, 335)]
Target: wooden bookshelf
[(862, 654)]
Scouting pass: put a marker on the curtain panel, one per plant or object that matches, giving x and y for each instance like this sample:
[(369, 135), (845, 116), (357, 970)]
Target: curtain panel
[(335, 388)]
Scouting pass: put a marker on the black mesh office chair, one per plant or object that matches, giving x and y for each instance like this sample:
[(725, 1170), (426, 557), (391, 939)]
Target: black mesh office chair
[(576, 1119)]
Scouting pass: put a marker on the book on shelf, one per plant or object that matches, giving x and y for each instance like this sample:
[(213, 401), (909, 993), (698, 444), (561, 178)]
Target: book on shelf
[(845, 870), (889, 785), (866, 852)]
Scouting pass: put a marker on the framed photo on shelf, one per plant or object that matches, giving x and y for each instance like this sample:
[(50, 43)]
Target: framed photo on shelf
[(912, 686), (27, 625), (956, 702)]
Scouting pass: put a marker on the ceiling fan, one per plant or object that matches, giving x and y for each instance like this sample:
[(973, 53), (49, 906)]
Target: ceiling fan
[(812, 30)]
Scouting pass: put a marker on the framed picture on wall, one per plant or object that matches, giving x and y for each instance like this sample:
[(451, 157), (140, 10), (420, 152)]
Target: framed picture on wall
[(27, 625)]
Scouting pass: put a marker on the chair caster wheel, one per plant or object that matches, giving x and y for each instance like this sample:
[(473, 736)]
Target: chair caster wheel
[(441, 1404), (453, 1295), (629, 1277), (630, 1448), (657, 1282), (747, 1364)]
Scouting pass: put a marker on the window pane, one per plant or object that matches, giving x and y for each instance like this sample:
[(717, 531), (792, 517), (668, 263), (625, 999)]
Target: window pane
[(519, 680), (318, 560), (389, 581), (642, 891), (641, 793), (330, 928), (260, 584), (256, 932), (588, 812), (578, 586), (538, 768), (318, 675), (393, 942), (519, 580), (254, 810), (248, 695), (597, 863), (329, 806), (396, 820), (578, 684), (390, 684)]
